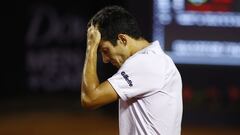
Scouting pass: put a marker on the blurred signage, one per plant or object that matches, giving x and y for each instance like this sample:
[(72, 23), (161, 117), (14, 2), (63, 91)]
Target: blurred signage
[(199, 31), (54, 49)]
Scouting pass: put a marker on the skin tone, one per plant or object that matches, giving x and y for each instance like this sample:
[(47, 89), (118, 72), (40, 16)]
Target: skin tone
[(93, 93)]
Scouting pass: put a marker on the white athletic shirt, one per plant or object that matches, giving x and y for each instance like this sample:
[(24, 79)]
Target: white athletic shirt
[(150, 90)]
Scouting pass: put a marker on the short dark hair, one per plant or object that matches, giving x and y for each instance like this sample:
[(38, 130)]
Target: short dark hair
[(114, 20)]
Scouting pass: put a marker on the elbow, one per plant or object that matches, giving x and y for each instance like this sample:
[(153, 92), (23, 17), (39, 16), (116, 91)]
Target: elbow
[(88, 104)]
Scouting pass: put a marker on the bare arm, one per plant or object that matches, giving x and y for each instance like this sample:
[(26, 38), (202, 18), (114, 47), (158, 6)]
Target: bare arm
[(94, 94)]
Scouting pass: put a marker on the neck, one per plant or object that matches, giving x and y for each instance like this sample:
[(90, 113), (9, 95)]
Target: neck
[(139, 45)]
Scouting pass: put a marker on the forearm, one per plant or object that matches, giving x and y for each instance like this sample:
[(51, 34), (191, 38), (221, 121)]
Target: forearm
[(89, 76)]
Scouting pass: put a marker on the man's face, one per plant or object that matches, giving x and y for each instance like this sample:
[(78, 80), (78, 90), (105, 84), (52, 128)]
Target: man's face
[(115, 54)]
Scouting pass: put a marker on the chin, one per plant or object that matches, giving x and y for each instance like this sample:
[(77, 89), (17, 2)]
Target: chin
[(117, 65)]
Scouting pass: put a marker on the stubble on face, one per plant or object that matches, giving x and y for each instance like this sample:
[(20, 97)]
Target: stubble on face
[(114, 54)]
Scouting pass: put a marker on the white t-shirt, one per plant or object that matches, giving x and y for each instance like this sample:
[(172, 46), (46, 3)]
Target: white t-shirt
[(150, 90)]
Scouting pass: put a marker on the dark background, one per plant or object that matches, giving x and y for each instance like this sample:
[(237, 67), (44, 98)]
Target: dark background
[(42, 72)]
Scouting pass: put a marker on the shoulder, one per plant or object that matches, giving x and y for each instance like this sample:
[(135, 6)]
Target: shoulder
[(146, 58)]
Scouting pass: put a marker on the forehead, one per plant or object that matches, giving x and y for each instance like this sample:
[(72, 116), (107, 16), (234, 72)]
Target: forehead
[(105, 44)]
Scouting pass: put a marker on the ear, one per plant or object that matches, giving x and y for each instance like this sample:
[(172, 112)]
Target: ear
[(122, 38)]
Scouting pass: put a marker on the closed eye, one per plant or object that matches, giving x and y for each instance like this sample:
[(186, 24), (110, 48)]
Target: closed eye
[(105, 51)]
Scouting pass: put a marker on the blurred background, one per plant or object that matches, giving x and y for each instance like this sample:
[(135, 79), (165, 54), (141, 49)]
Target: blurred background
[(43, 50)]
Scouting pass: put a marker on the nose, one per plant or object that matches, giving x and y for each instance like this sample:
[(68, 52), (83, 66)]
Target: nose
[(105, 58)]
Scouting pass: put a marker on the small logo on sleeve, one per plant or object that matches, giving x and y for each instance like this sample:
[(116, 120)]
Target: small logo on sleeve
[(125, 76)]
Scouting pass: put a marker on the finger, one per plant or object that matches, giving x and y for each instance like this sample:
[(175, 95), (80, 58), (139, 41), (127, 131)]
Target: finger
[(90, 29)]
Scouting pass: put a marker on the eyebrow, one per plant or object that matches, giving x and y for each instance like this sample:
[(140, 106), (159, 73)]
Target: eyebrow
[(101, 47)]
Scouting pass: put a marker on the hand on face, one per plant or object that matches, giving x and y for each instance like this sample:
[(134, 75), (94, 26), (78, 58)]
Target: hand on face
[(93, 36)]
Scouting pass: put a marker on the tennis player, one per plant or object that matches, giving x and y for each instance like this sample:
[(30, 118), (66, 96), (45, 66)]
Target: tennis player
[(147, 84)]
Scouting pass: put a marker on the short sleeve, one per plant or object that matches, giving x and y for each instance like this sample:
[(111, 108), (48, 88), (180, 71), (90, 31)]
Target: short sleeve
[(138, 77)]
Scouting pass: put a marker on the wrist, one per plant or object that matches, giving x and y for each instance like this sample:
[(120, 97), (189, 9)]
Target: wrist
[(91, 48)]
